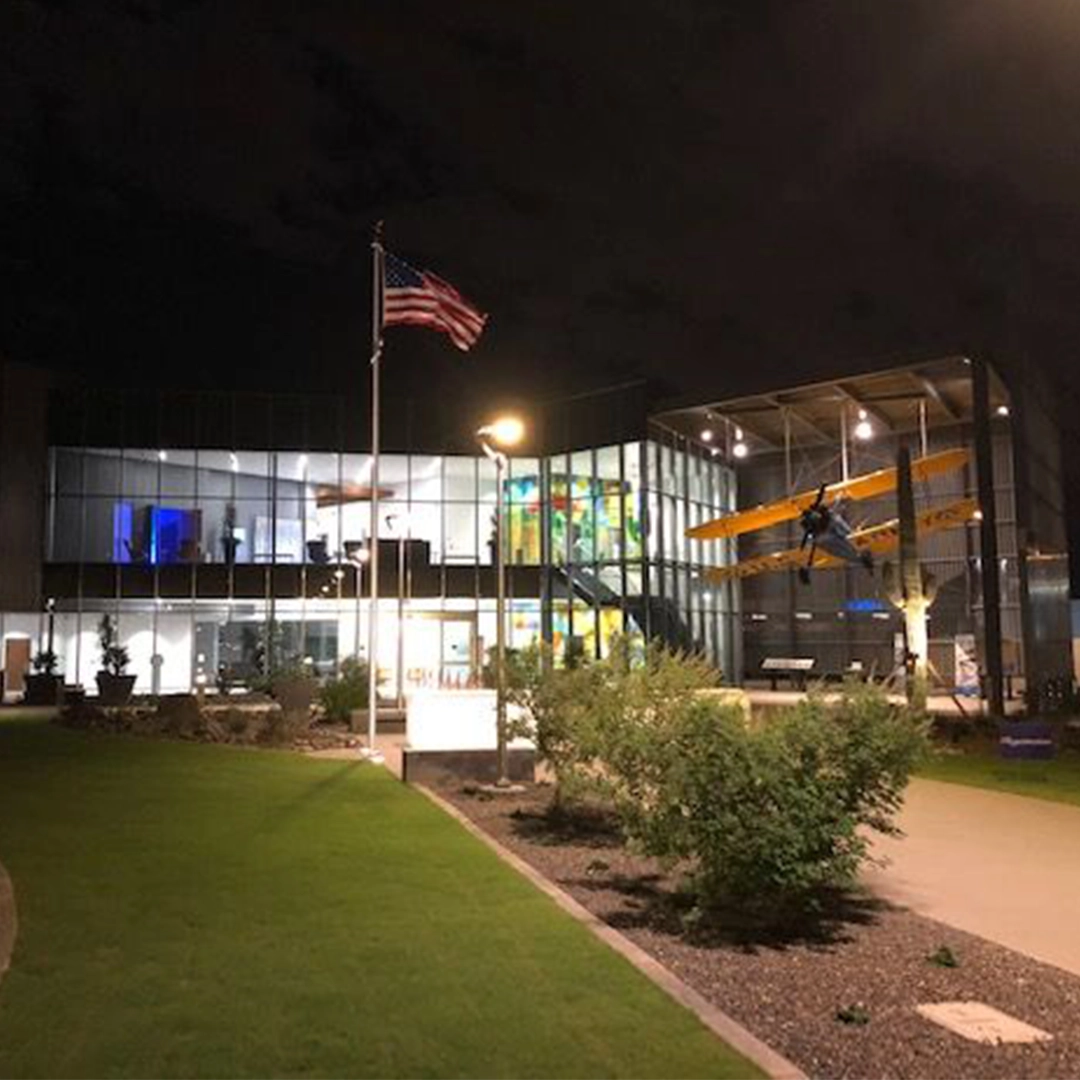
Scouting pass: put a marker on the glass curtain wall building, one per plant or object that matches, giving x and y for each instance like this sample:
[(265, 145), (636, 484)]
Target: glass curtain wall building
[(229, 533), (219, 561)]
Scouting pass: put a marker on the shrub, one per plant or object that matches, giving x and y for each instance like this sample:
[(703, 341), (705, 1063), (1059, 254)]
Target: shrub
[(285, 726), (766, 815), (556, 713), (179, 715), (600, 724), (348, 691), (44, 662), (238, 724), (114, 656), (770, 816)]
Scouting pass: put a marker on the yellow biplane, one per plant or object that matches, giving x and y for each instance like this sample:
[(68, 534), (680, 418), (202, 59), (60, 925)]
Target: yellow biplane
[(824, 526), (875, 540)]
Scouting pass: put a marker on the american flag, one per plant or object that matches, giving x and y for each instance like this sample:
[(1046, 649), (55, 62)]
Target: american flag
[(414, 297)]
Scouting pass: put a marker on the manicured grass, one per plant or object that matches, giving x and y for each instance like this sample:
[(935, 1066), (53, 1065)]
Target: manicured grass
[(193, 910), (978, 765)]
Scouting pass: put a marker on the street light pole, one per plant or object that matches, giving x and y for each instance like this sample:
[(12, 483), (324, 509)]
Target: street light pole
[(502, 765), (507, 431)]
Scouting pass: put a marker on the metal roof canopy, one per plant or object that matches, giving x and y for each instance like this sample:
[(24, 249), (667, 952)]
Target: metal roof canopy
[(890, 398)]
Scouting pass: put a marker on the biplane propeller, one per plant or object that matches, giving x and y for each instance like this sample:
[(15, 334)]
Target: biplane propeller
[(825, 529), (824, 526)]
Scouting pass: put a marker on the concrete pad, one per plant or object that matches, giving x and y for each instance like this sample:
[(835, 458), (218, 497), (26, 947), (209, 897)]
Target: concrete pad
[(981, 1023), (1004, 867)]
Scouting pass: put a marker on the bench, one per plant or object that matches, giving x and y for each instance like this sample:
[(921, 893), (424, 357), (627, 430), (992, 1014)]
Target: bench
[(795, 668)]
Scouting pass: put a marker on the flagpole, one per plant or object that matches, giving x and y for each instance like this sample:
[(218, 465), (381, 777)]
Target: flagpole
[(377, 273)]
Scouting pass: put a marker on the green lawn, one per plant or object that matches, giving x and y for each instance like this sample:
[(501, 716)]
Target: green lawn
[(192, 910), (979, 765)]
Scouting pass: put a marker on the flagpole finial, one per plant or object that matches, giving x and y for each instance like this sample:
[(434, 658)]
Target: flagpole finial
[(377, 232)]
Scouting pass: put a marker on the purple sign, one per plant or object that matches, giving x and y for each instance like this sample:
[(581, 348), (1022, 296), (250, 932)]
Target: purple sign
[(1031, 740)]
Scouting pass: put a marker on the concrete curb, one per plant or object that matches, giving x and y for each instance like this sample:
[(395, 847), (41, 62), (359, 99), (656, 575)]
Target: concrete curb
[(9, 923), (731, 1031)]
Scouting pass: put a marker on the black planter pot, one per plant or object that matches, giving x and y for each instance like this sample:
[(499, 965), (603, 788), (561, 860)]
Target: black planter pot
[(43, 689), (114, 689)]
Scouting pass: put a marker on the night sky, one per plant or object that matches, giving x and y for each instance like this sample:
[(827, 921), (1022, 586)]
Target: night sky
[(687, 190)]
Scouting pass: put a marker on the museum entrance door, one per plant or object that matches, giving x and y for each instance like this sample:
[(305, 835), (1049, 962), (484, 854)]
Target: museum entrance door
[(16, 664)]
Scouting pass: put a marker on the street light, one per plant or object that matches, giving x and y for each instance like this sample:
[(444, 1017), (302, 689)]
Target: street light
[(506, 431)]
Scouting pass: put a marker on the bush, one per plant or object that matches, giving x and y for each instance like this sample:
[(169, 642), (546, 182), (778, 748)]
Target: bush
[(771, 816), (284, 726), (349, 691), (179, 715), (599, 724), (766, 815)]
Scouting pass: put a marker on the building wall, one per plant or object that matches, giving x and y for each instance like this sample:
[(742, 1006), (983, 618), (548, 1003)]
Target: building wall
[(1042, 541), (23, 395)]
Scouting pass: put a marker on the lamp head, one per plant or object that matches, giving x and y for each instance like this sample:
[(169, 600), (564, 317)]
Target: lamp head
[(504, 431)]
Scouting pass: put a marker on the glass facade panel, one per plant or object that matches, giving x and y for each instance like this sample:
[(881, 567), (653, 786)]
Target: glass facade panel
[(461, 540), (425, 478), (523, 510), (67, 529), (97, 472), (459, 479), (67, 470)]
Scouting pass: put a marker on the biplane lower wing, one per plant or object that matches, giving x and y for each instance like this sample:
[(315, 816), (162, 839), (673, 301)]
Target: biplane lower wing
[(877, 540), (867, 486)]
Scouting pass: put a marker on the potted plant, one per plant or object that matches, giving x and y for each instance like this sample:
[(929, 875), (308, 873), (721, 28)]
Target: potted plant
[(113, 682), (44, 686)]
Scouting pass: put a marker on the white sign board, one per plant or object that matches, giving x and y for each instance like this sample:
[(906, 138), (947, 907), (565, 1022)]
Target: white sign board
[(454, 720)]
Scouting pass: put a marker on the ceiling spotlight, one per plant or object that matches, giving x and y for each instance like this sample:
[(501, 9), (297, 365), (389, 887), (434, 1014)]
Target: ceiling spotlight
[(1003, 410), (978, 514), (339, 573), (162, 455), (740, 449), (706, 435), (863, 430)]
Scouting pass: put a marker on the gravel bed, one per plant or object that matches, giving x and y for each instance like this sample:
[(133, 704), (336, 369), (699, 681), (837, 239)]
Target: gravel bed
[(789, 992)]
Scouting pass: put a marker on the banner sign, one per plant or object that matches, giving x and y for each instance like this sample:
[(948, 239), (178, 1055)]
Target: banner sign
[(966, 662), (1031, 740)]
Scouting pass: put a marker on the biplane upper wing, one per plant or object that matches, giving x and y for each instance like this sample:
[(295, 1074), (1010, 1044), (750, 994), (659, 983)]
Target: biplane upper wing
[(866, 486), (878, 539)]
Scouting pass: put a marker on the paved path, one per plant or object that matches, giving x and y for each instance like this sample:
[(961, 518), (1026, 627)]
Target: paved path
[(1004, 867)]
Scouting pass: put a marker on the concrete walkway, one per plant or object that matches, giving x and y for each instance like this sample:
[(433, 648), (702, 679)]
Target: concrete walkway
[(1004, 867)]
